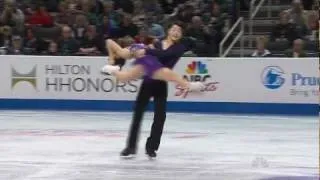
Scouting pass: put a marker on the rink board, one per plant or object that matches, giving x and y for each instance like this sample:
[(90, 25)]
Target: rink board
[(235, 85)]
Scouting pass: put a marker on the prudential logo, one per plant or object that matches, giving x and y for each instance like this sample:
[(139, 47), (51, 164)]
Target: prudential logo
[(30, 77), (272, 77)]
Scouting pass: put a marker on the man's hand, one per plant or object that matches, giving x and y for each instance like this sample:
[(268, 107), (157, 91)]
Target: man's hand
[(139, 53)]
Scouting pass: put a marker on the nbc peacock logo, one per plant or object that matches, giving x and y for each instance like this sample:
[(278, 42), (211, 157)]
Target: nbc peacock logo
[(197, 71), (197, 67)]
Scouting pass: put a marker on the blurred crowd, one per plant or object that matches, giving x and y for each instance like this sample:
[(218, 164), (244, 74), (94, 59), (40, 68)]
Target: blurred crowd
[(80, 27), (296, 31)]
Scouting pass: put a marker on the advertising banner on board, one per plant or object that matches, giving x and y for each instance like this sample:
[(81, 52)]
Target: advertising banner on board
[(265, 80), (62, 78)]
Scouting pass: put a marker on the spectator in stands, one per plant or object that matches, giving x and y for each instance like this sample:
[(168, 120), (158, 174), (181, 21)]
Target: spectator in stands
[(237, 6), (217, 18), (12, 16), (222, 3), (108, 8), (30, 42), (92, 44), (203, 37), (154, 29), (297, 50), (299, 17), (185, 13), (315, 6), (73, 5), (297, 14), (261, 50), (127, 28), (52, 5), (284, 30), (68, 45), (114, 16), (93, 10), (313, 26), (105, 28), (2, 2), (80, 26), (126, 5), (41, 17), (151, 6), (5, 38), (307, 4), (143, 37), (16, 46), (64, 17), (86, 6), (169, 6), (53, 49), (139, 15), (216, 25)]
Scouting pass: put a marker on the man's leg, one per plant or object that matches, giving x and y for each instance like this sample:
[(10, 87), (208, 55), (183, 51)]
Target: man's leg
[(160, 103), (139, 108)]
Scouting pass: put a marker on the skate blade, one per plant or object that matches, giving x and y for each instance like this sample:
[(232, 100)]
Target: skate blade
[(105, 73), (132, 156), (151, 158)]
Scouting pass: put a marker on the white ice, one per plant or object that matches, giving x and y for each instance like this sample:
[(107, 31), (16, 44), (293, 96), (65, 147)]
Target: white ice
[(85, 146)]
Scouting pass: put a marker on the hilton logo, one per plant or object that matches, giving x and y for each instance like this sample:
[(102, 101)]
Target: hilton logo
[(28, 77)]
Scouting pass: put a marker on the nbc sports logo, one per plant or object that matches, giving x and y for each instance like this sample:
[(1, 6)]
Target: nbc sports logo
[(30, 77), (197, 71), (197, 67)]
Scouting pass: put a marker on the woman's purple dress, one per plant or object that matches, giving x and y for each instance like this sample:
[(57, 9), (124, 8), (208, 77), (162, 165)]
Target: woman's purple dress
[(150, 63)]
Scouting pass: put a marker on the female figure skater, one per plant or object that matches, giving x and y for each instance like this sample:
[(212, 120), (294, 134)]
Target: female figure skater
[(147, 65), (168, 52)]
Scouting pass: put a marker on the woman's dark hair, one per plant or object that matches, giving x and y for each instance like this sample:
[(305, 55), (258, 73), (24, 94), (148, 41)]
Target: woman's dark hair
[(177, 23), (125, 41)]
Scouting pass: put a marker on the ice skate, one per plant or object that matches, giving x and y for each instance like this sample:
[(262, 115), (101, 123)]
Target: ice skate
[(196, 87), (128, 153), (109, 69)]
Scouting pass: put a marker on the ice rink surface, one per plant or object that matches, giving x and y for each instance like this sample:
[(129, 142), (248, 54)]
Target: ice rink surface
[(85, 146)]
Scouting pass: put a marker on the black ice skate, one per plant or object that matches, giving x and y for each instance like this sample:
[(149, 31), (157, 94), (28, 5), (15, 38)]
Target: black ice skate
[(128, 153), (151, 153)]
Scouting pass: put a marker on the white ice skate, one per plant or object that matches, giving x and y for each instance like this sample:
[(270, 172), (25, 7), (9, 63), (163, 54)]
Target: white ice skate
[(196, 87), (109, 69)]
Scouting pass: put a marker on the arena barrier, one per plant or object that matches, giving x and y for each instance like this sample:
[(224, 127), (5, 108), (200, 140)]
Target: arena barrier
[(235, 85)]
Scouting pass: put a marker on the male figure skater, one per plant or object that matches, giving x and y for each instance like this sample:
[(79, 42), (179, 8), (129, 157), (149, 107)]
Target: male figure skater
[(168, 52)]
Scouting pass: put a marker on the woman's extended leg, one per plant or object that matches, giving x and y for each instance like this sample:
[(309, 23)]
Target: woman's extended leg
[(111, 53), (167, 74), (115, 50), (164, 74), (135, 72)]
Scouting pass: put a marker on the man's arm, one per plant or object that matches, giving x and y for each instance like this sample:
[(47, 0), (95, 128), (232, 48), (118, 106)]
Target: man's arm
[(166, 53), (185, 45)]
